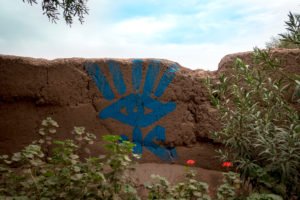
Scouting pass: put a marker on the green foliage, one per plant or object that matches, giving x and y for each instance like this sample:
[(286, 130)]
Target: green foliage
[(189, 189), (257, 196), (291, 39), (260, 128), (52, 169), (277, 42), (293, 28), (192, 189), (227, 191), (70, 9)]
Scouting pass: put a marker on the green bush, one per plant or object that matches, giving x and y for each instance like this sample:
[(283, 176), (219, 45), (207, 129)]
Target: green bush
[(189, 189), (261, 130), (228, 191), (51, 169)]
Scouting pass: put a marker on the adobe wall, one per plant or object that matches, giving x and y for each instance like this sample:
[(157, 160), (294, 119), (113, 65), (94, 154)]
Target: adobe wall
[(159, 105)]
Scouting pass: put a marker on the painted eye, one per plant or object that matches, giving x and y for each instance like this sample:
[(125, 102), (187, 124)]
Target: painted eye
[(131, 110)]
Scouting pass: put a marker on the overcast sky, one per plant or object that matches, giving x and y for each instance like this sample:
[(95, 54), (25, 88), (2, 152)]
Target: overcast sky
[(194, 33)]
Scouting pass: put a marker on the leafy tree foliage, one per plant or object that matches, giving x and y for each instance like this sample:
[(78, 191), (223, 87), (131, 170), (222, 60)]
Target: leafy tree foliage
[(291, 39), (68, 8), (293, 28)]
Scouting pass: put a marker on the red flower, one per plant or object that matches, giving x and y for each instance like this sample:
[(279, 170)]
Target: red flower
[(190, 162), (227, 164)]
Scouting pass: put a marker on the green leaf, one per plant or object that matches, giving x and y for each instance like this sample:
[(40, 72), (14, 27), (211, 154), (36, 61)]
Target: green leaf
[(126, 157), (74, 156), (76, 169), (192, 187), (16, 157), (42, 131), (77, 177), (111, 138), (52, 130), (79, 130)]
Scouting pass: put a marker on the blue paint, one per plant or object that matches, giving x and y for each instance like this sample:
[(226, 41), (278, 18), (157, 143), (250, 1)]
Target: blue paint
[(158, 134), (137, 68), (166, 80), (155, 135), (152, 73), (115, 70), (130, 109), (135, 108), (124, 137), (100, 80), (173, 68), (137, 139)]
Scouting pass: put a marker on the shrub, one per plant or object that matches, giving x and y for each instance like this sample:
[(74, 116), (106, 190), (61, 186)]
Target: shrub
[(261, 130), (189, 189), (51, 169)]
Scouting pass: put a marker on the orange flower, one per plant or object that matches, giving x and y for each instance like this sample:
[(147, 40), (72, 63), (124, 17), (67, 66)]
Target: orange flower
[(227, 164), (190, 162)]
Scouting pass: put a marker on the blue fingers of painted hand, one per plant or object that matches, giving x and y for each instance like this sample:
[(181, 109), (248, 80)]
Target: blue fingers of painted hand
[(100, 80), (137, 65), (131, 109)]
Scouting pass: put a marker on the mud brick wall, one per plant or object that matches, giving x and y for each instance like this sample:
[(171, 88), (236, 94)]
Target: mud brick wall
[(159, 105)]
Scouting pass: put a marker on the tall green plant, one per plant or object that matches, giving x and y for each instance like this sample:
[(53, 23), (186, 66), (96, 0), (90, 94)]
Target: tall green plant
[(261, 130), (293, 28)]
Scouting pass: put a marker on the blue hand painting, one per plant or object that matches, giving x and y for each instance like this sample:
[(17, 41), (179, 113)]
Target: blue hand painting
[(131, 109)]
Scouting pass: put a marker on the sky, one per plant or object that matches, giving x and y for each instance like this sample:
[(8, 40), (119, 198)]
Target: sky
[(194, 33)]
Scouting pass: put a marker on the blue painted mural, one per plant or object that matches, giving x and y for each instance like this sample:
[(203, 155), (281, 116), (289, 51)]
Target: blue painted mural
[(131, 109)]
